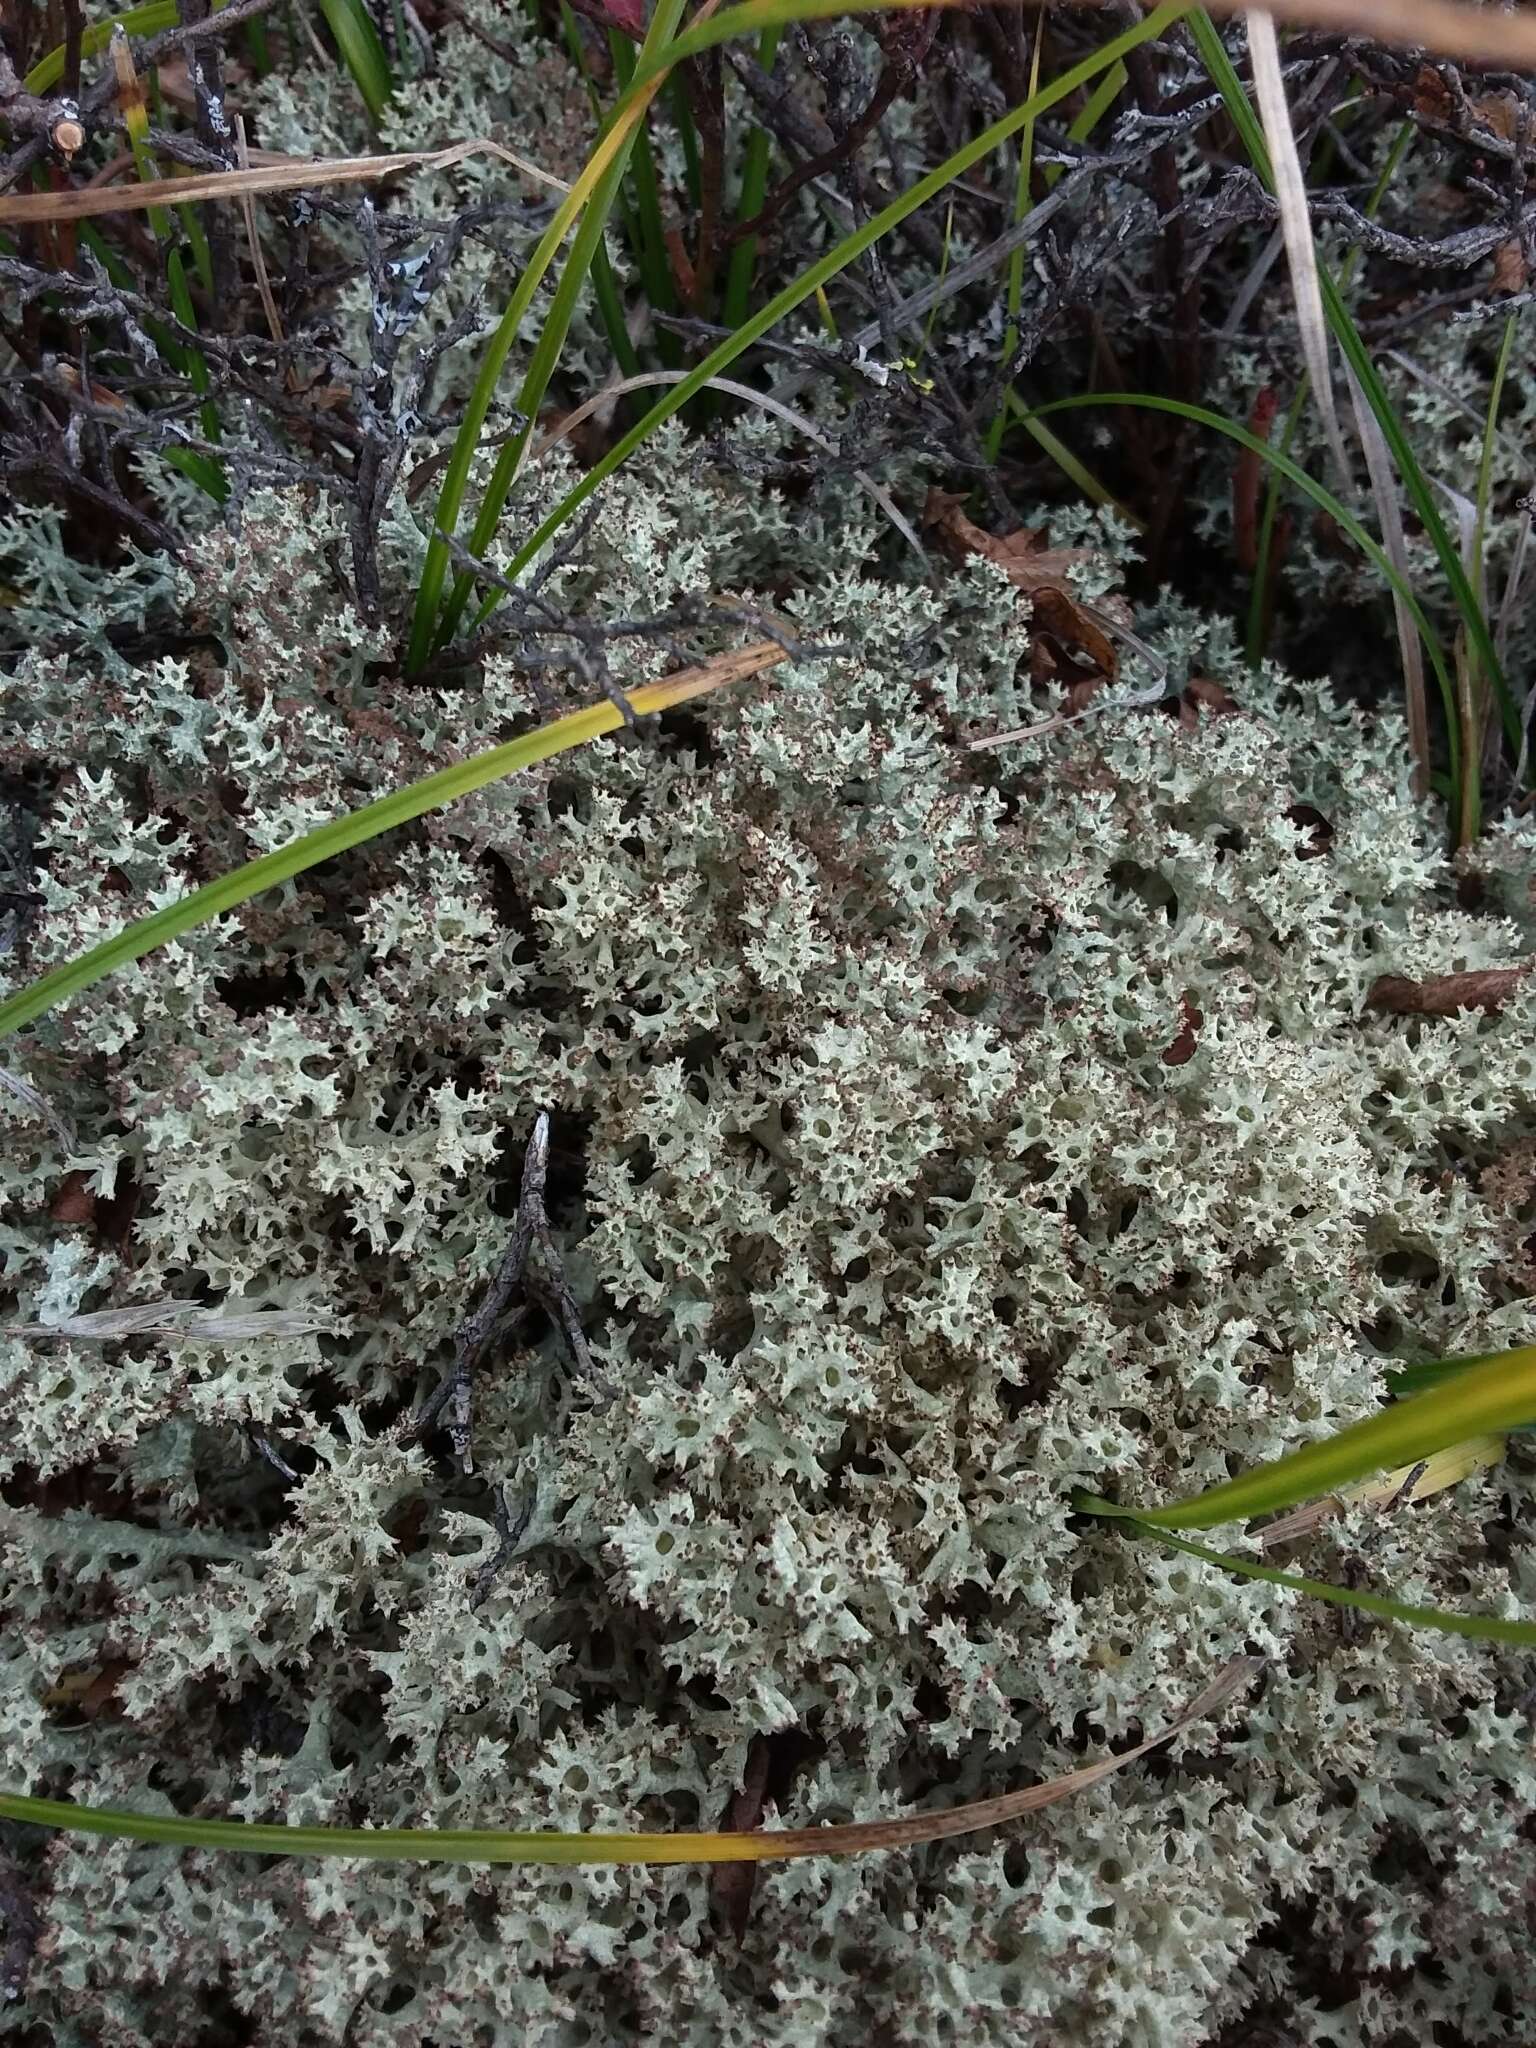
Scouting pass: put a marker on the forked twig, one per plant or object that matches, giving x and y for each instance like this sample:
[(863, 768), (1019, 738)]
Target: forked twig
[(455, 1391)]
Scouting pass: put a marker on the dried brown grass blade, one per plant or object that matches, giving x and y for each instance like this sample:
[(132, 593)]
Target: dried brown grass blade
[(183, 1321), (861, 1836), (266, 174), (1475, 35), (1295, 224), (253, 237)]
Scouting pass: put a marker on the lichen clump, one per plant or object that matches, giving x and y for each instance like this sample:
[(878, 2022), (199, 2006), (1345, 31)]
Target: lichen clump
[(933, 1132)]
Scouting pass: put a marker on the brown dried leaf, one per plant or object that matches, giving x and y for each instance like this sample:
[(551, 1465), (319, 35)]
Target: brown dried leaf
[(89, 1693), (1442, 995), (74, 1202), (1187, 1043), (1201, 694), (1056, 612), (1023, 556), (1432, 97), (1510, 269), (1499, 113)]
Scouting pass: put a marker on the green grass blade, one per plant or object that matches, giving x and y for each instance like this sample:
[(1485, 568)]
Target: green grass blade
[(1022, 202), (592, 198), (362, 52), (352, 829), (430, 1845), (148, 20), (1493, 1394), (754, 190), (605, 288), (541, 368), (1069, 463), (846, 251), (1490, 433), (497, 1845), (1484, 1628), (651, 247), (1319, 494), (1341, 324)]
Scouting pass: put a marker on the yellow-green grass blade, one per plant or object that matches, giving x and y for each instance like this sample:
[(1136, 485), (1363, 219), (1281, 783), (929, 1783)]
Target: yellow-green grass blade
[(1490, 1395), (557, 321), (1485, 1628), (367, 822), (1070, 464), (756, 13), (500, 1845)]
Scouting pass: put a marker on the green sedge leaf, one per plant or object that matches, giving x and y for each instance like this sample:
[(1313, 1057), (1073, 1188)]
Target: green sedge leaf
[(1493, 1394), (1484, 1628), (362, 52)]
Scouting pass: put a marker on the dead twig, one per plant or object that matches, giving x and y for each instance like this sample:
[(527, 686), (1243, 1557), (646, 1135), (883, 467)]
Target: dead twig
[(23, 1925), (455, 1392), (510, 1530), (1443, 995)]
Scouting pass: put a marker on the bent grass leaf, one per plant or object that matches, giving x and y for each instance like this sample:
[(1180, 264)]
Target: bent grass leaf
[(1347, 335), (1485, 1396), (1488, 1395), (367, 822), (1484, 1628), (500, 1845), (1319, 494)]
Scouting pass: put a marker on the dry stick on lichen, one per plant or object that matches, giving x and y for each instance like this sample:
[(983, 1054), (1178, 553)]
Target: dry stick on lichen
[(455, 1393), (23, 1925), (499, 1845)]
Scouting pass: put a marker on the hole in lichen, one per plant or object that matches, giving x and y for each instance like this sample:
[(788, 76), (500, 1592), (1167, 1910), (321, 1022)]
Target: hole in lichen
[(665, 1541), (1409, 1268)]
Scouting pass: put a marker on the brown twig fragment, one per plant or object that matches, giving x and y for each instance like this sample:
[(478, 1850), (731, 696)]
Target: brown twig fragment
[(23, 1924), (1442, 995), (455, 1392)]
